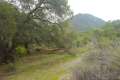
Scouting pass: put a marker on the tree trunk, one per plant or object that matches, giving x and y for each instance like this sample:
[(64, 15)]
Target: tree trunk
[(27, 48), (6, 54)]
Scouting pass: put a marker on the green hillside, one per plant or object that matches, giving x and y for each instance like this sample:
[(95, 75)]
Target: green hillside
[(85, 22)]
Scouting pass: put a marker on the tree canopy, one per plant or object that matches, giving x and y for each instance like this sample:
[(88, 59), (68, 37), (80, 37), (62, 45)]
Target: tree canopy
[(27, 22)]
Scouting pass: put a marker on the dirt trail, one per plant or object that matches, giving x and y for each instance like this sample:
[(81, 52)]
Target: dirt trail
[(2, 77), (70, 66)]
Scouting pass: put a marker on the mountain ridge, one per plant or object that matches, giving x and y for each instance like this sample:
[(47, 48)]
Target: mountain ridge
[(85, 22)]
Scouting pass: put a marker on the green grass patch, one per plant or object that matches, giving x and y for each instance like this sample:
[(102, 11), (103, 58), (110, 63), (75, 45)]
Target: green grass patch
[(41, 67)]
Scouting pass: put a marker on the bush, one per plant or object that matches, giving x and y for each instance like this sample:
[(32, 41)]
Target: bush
[(21, 51)]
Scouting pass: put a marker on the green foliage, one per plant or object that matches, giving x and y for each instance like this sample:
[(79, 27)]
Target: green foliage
[(44, 10), (21, 51), (28, 23), (7, 30), (7, 21), (102, 61)]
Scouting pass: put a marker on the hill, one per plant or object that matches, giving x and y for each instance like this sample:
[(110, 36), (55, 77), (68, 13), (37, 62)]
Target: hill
[(85, 22)]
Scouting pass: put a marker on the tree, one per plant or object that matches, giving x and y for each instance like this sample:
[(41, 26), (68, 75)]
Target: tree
[(7, 29), (40, 19), (30, 22), (44, 10)]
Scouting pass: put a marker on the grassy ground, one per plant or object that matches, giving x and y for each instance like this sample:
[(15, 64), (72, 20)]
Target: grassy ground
[(42, 67)]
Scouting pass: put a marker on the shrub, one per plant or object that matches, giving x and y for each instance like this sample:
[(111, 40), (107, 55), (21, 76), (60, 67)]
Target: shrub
[(21, 51)]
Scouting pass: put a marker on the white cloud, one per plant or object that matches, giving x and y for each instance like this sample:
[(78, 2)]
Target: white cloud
[(105, 9)]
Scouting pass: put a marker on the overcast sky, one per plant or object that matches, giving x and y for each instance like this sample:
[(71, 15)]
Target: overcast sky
[(105, 9)]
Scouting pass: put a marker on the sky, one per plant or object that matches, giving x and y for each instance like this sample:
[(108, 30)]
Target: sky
[(105, 9)]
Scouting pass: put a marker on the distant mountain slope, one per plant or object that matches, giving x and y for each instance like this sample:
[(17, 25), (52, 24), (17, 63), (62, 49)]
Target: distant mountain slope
[(85, 22)]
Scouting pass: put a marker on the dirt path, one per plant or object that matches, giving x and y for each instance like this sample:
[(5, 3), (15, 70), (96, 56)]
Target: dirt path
[(2, 77), (69, 67), (72, 64)]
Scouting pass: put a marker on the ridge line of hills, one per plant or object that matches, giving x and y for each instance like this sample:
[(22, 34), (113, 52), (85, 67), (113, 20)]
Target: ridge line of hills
[(86, 22)]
